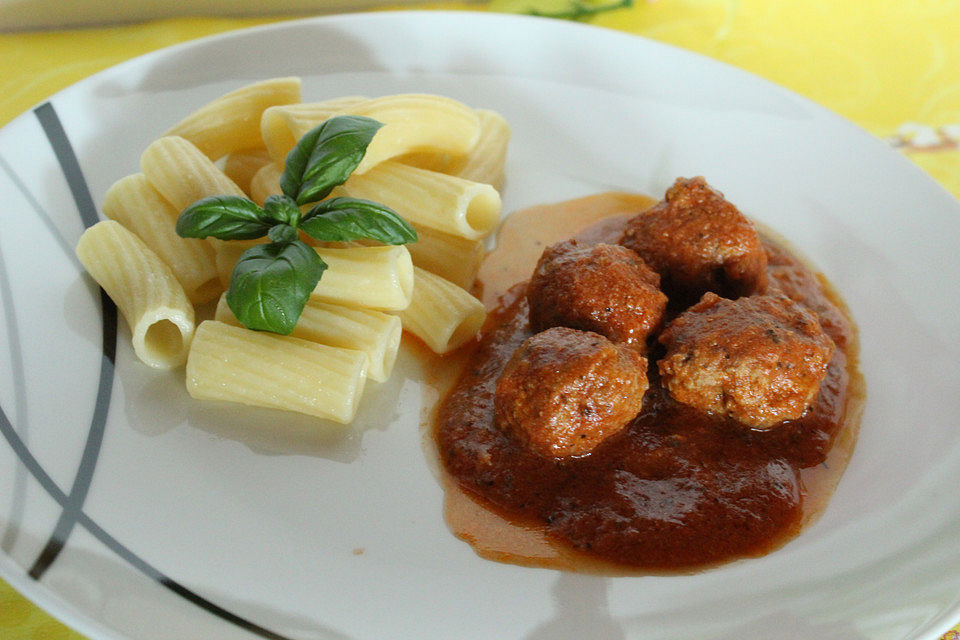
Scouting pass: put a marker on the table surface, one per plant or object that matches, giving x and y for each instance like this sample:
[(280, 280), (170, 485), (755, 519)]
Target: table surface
[(891, 67)]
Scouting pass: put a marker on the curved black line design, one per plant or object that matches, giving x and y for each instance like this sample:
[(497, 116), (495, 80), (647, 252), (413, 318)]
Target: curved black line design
[(72, 503), (21, 477), (70, 167), (36, 470)]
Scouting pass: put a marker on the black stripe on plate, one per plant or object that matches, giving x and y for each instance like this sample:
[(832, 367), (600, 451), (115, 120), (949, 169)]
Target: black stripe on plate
[(36, 470), (72, 504), (70, 167)]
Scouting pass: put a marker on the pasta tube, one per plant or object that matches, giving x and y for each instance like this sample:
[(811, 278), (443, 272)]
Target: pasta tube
[(144, 289), (282, 126), (485, 163), (241, 166), (412, 123), (451, 257), (182, 174), (441, 314), (135, 204), (417, 122), (375, 277), (266, 370), (266, 182), (375, 333), (232, 121), (430, 199)]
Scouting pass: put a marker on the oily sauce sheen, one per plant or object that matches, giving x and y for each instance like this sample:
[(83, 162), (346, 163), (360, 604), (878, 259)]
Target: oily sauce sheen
[(676, 489)]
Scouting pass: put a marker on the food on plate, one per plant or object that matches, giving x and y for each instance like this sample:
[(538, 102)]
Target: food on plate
[(744, 420), (145, 290), (231, 123), (699, 242), (135, 204), (758, 359), (280, 372), (443, 315), (288, 213), (564, 391), (598, 287)]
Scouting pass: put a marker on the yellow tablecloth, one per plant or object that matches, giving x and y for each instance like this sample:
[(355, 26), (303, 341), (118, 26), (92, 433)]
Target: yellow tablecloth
[(892, 67)]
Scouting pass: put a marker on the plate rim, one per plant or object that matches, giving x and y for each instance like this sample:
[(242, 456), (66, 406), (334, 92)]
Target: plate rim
[(41, 595)]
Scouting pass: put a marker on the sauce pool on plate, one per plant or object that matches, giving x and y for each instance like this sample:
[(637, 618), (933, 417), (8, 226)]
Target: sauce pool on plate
[(676, 490)]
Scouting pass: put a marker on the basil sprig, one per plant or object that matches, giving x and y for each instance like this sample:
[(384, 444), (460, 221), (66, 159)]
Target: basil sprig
[(272, 282)]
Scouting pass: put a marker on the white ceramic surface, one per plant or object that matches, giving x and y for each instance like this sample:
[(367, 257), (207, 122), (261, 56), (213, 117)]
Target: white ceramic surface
[(218, 522)]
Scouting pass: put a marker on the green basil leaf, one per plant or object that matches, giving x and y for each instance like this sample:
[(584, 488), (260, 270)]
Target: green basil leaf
[(348, 219), (223, 217), (282, 210), (283, 233), (271, 284), (326, 156)]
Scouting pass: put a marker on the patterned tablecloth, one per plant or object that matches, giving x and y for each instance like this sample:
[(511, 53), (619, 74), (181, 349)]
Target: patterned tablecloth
[(892, 67)]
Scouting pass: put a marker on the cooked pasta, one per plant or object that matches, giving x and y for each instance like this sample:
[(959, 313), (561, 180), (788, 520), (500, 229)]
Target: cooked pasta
[(144, 289), (266, 182), (241, 166), (263, 369), (282, 126), (454, 258), (441, 314), (417, 122), (182, 174), (232, 121), (430, 199), (435, 161), (375, 333), (485, 163), (374, 277), (134, 203)]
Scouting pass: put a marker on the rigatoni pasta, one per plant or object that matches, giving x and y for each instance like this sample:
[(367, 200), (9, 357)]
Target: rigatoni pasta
[(144, 289), (375, 333), (232, 121), (281, 372), (182, 174), (434, 161), (282, 126), (417, 122), (485, 163), (429, 198), (441, 314), (265, 182), (133, 202), (241, 166), (378, 278), (454, 258)]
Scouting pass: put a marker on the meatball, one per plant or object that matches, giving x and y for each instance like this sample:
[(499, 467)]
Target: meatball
[(564, 391), (699, 242), (802, 286), (604, 288), (759, 359)]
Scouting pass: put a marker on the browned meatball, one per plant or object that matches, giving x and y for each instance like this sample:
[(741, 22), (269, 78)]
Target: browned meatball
[(564, 391), (800, 285), (699, 242), (759, 359), (604, 288)]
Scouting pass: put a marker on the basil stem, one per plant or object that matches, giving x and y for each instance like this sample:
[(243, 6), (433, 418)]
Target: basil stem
[(282, 209)]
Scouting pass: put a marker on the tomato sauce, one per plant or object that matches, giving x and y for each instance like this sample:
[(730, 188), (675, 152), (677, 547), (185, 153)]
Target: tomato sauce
[(676, 490)]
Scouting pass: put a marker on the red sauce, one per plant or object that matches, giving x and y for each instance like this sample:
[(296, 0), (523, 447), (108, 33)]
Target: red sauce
[(676, 490)]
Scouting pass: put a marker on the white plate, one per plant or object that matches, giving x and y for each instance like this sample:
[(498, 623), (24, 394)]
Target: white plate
[(189, 520)]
